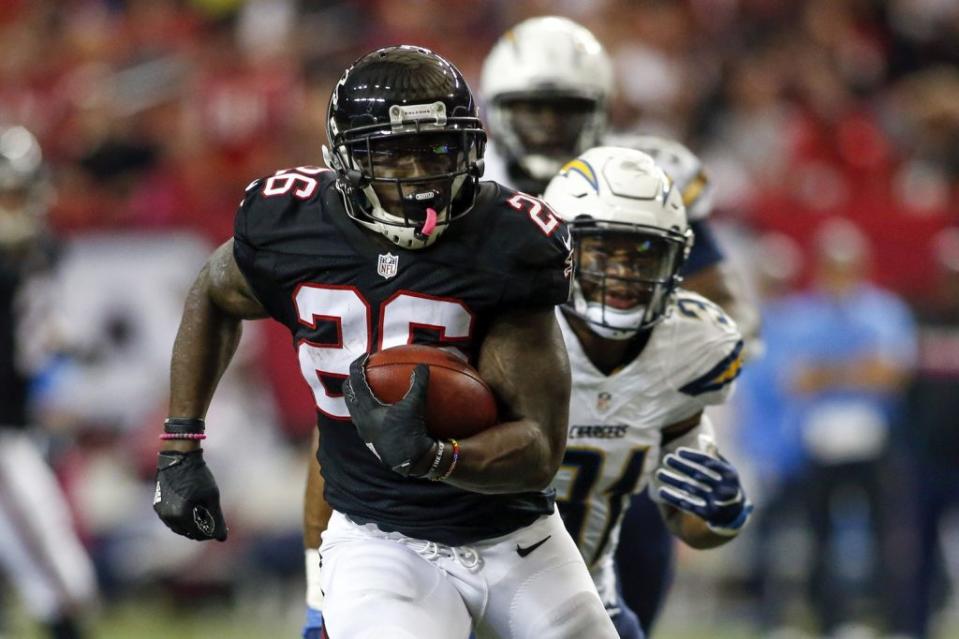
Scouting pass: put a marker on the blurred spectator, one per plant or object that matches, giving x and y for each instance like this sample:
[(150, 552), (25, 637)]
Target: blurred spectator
[(857, 347), (933, 434), (125, 292), (771, 440)]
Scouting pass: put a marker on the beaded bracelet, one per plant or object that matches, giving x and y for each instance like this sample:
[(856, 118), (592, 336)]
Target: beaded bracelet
[(456, 457), (166, 436), (184, 425)]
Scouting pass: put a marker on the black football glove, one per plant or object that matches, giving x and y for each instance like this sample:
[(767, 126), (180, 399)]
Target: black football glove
[(187, 498), (705, 486), (396, 433)]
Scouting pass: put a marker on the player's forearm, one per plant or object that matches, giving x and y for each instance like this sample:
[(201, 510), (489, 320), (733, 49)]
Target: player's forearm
[(316, 512), (693, 531), (524, 361), (205, 343), (510, 457)]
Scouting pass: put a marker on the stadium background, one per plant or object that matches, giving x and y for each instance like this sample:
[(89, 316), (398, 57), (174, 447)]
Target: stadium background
[(154, 115)]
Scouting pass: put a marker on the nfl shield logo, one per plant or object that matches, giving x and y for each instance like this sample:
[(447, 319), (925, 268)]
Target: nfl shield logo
[(386, 266), (602, 401)]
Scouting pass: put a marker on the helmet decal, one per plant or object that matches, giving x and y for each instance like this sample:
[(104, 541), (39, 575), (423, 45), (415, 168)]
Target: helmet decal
[(583, 168)]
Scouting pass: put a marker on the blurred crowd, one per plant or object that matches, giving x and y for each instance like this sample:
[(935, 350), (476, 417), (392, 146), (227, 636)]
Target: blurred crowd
[(831, 132)]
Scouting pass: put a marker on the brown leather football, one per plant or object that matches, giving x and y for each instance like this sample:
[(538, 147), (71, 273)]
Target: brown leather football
[(458, 401)]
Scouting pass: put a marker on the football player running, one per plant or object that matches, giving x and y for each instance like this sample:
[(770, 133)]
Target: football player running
[(647, 357), (40, 553), (399, 242), (547, 84)]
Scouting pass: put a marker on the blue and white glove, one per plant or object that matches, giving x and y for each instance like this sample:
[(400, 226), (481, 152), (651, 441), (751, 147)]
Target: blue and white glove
[(313, 627), (705, 486)]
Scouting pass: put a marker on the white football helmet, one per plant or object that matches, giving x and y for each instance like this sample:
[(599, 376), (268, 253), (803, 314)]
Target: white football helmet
[(683, 167), (630, 236), (25, 190), (546, 63)]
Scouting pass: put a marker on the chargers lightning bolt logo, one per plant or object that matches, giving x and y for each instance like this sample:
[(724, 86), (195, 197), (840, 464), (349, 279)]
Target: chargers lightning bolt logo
[(583, 168)]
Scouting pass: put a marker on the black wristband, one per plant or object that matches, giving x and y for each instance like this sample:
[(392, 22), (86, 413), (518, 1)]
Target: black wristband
[(184, 426)]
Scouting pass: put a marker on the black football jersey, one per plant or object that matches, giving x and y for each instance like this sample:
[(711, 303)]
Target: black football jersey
[(15, 270), (12, 381), (343, 290)]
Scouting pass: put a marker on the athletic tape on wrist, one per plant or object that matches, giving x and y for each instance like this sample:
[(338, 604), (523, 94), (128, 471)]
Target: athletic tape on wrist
[(184, 426)]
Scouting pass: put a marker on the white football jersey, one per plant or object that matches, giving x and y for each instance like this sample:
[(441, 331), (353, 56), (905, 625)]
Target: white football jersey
[(691, 360)]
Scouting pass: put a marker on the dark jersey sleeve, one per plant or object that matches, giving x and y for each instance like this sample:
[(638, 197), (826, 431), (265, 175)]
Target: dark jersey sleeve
[(706, 251), (539, 246), (263, 228), (248, 241)]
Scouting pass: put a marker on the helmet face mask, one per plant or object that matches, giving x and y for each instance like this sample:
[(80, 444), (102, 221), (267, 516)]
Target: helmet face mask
[(624, 274), (406, 144), (409, 173), (541, 131)]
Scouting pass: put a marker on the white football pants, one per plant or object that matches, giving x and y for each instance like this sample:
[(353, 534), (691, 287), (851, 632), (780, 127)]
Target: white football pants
[(389, 586), (39, 550), (604, 577)]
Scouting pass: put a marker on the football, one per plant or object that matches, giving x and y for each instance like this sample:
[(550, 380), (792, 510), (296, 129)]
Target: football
[(458, 401)]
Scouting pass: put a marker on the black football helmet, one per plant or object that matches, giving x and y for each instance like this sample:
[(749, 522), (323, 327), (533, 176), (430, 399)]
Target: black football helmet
[(406, 143)]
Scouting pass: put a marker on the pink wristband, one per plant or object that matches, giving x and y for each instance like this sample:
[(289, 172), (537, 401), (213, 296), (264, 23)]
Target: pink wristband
[(166, 436)]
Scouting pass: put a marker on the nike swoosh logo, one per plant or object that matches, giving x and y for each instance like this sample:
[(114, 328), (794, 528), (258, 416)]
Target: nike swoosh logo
[(522, 552)]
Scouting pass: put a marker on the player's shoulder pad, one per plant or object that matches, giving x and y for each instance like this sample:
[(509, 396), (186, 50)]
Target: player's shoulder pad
[(528, 228), (529, 242), (280, 203), (707, 345)]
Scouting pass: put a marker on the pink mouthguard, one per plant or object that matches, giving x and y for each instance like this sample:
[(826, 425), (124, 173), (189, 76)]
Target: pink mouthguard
[(430, 224)]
